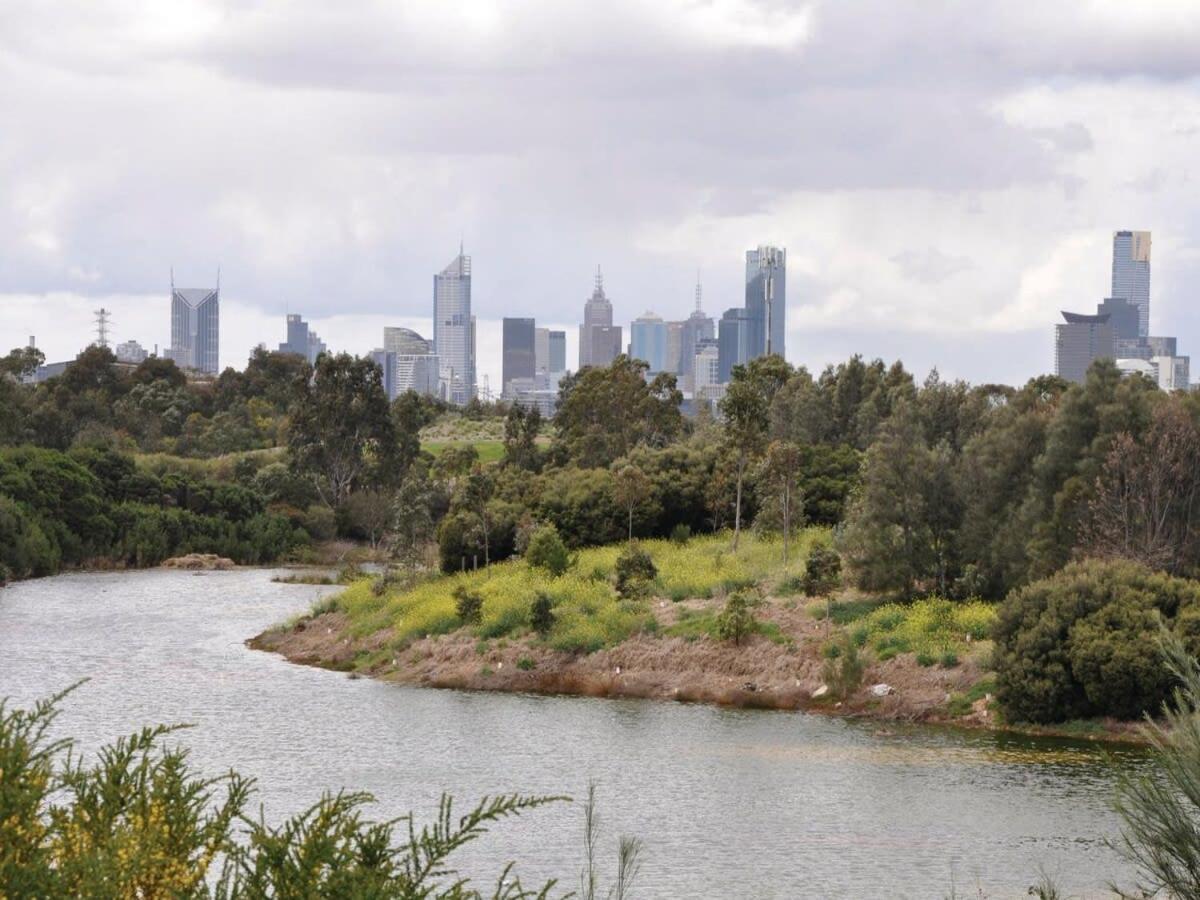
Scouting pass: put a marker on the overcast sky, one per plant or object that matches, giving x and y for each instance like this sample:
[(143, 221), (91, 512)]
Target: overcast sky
[(945, 176)]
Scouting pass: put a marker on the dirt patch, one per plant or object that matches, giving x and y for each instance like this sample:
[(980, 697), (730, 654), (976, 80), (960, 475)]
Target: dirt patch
[(205, 561)]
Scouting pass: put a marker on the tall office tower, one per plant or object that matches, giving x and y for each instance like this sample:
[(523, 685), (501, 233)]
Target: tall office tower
[(1078, 342), (696, 327), (301, 340), (541, 349), (558, 351), (733, 339), (454, 329), (705, 376), (648, 341), (410, 363), (196, 328), (673, 359), (766, 300), (520, 355), (596, 345), (1123, 317), (1131, 273)]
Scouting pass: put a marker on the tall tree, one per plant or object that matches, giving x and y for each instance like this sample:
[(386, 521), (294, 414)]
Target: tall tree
[(478, 490), (781, 472), (745, 409), (521, 427), (341, 432), (631, 488)]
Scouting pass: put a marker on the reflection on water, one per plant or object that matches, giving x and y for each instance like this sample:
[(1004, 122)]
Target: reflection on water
[(731, 803)]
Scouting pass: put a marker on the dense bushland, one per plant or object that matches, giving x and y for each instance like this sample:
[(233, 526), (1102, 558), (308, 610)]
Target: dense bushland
[(1085, 641), (68, 509)]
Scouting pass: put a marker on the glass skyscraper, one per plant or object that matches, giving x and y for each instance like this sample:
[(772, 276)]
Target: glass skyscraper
[(599, 339), (196, 329), (454, 330), (648, 341), (1131, 273), (519, 348), (302, 340), (766, 300)]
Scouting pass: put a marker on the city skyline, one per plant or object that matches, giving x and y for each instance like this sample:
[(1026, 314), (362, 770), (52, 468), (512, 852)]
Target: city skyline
[(937, 207)]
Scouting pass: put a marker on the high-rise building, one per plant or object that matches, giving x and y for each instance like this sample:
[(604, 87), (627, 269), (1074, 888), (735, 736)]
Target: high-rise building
[(599, 339), (707, 384), (1078, 342), (132, 352), (408, 363), (696, 327), (301, 340), (648, 341), (454, 330), (196, 328), (733, 340), (550, 350), (766, 300), (673, 359), (519, 349), (1131, 273)]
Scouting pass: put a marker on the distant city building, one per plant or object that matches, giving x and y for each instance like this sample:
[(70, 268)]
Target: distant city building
[(599, 339), (1123, 316), (1078, 342), (550, 350), (132, 352), (1131, 273), (648, 341), (539, 392), (454, 330), (301, 340), (697, 327), (705, 377), (766, 300), (196, 328), (1170, 373), (408, 363), (519, 351), (673, 359), (733, 339)]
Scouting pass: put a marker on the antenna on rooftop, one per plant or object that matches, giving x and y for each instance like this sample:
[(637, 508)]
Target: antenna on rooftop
[(698, 290), (599, 280), (102, 320)]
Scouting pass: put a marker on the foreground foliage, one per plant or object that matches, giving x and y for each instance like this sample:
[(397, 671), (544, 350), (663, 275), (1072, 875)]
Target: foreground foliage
[(139, 822), (1085, 642)]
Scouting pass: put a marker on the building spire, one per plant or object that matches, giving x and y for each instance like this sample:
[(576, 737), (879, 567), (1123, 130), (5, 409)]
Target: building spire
[(599, 280), (698, 290)]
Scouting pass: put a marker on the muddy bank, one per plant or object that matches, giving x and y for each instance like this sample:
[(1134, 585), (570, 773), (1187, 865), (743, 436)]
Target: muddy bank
[(759, 672)]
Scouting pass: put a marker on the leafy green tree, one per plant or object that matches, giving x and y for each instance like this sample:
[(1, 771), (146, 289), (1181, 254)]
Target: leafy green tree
[(547, 551), (604, 413), (468, 604), (1084, 642), (478, 490), (635, 572), (780, 473), (887, 538), (822, 571), (745, 408), (413, 515), (341, 432), (369, 515), (736, 620), (22, 362), (521, 428)]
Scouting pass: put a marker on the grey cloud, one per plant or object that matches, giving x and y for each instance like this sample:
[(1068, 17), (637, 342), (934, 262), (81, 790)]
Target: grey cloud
[(930, 266)]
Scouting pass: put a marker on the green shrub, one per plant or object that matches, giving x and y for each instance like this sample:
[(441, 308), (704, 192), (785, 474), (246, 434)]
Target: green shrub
[(822, 571), (541, 614), (949, 659), (681, 534), (525, 664), (843, 669), (1084, 642), (925, 659), (737, 620), (468, 605), (547, 551), (635, 572)]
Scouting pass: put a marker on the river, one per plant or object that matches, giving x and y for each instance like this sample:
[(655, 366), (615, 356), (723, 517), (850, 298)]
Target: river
[(730, 803)]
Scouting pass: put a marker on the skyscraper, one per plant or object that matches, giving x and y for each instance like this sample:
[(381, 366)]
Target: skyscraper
[(301, 340), (408, 363), (196, 328), (1078, 342), (648, 341), (1131, 273), (520, 355), (454, 329), (599, 339), (550, 350), (696, 327), (733, 341), (766, 300)]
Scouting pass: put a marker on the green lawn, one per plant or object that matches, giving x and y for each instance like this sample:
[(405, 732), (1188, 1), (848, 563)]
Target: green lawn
[(489, 451)]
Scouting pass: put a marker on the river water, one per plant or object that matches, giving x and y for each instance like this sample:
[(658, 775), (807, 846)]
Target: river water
[(729, 803)]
